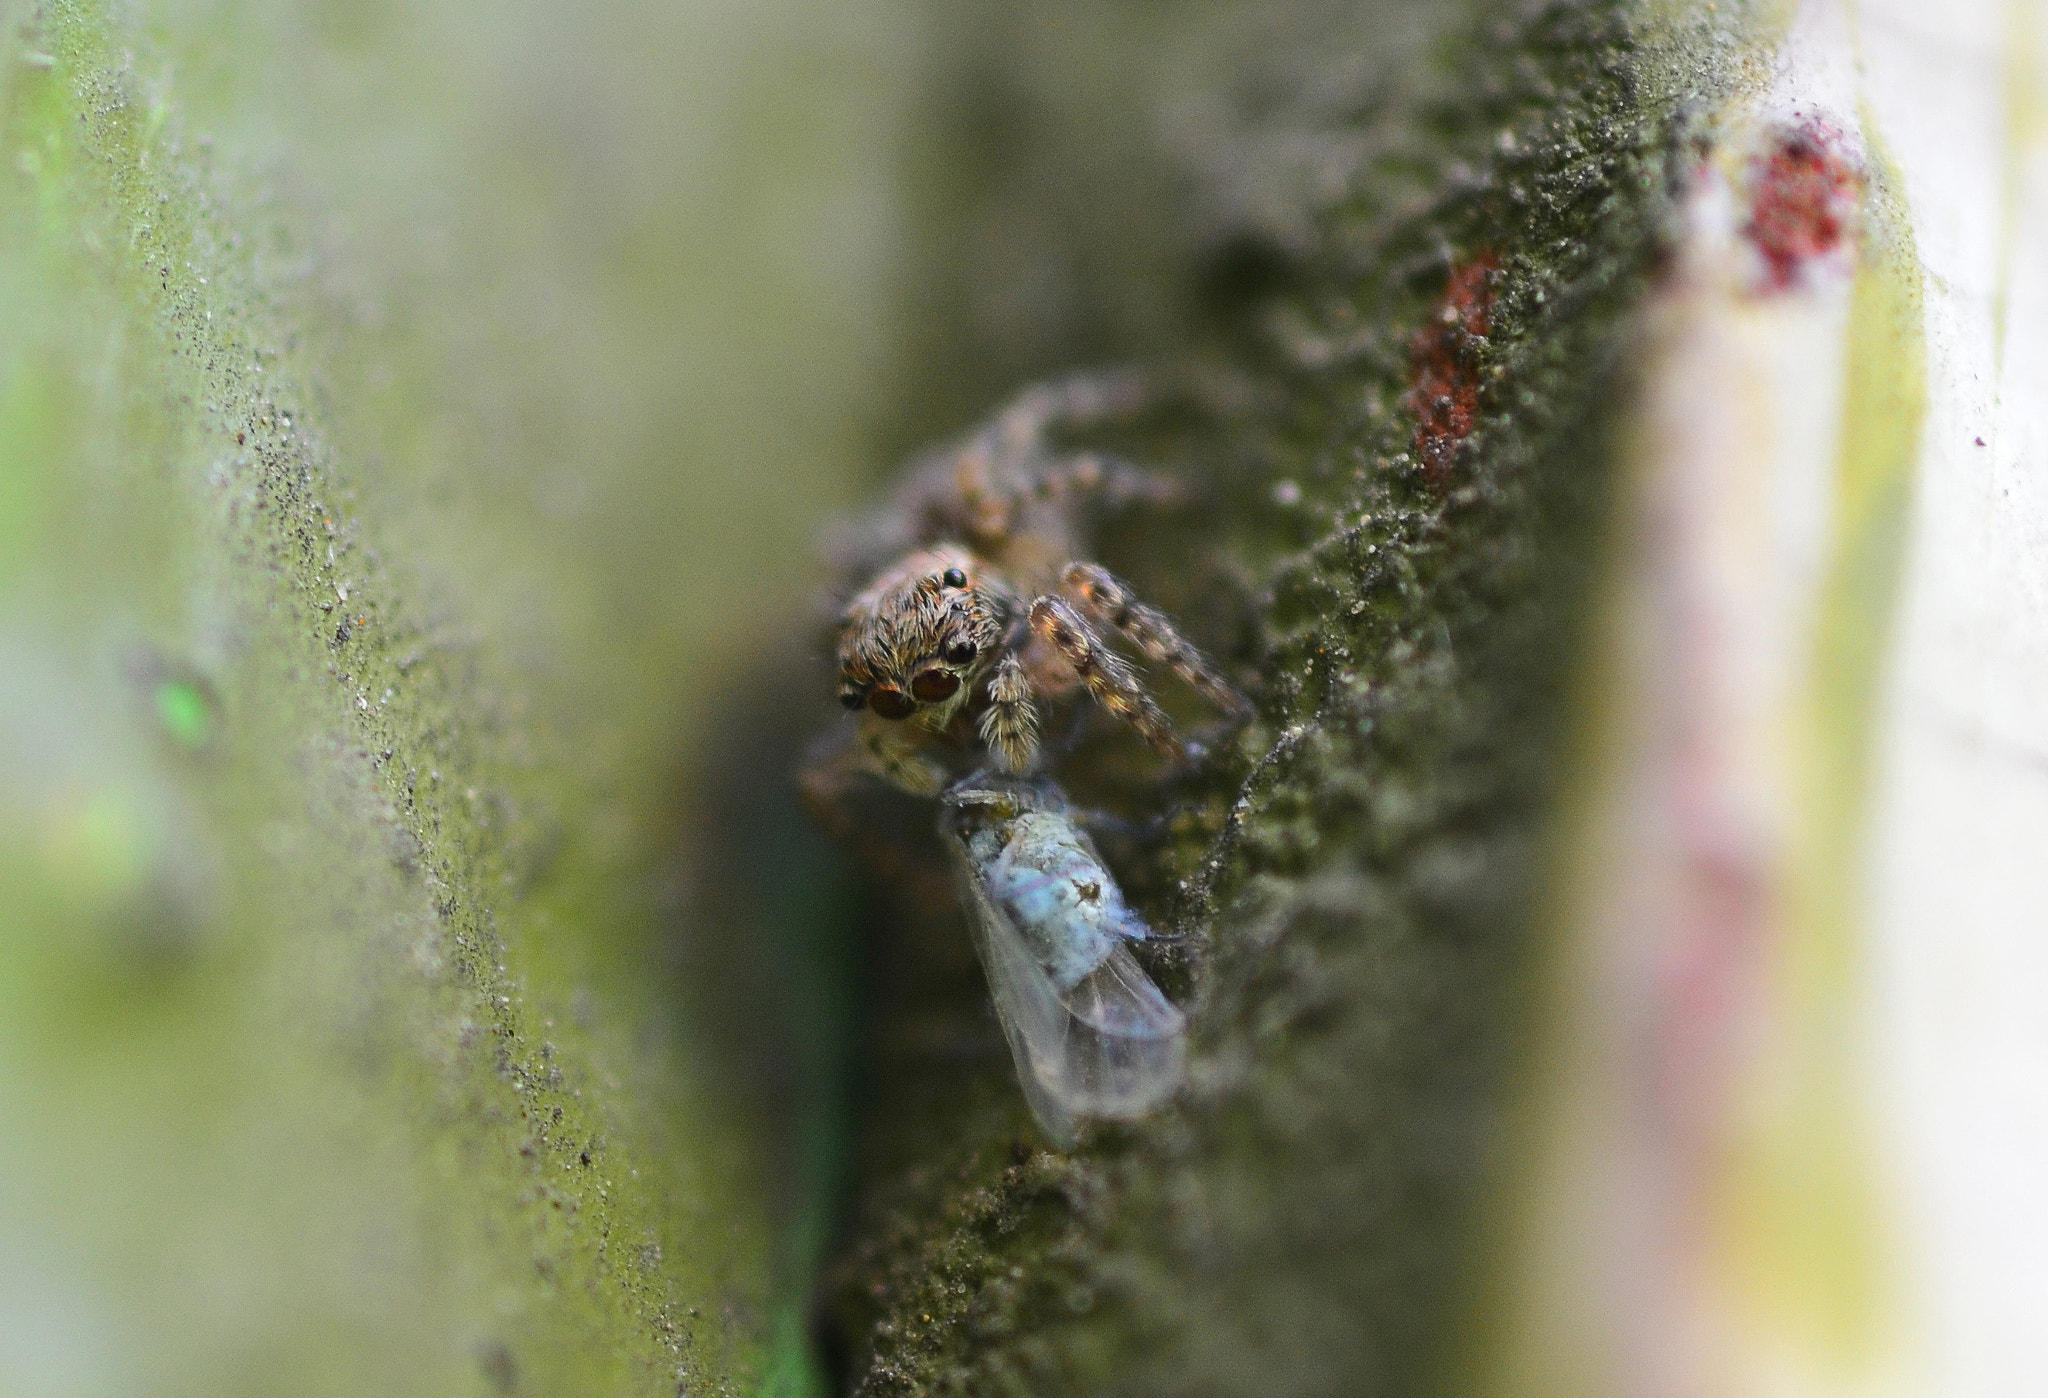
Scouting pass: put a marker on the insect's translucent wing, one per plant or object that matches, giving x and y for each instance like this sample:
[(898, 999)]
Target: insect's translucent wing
[(1033, 1019), (1125, 1041), (1112, 1046)]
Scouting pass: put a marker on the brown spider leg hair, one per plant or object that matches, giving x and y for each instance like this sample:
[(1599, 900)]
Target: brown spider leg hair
[(1115, 480), (999, 468), (991, 456), (826, 781), (1077, 401), (889, 751), (1111, 681), (1010, 724), (1107, 600), (989, 508)]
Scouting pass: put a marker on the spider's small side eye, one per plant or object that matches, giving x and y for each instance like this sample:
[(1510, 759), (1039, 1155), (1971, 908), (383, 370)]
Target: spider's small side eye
[(959, 653), (954, 578), (852, 698)]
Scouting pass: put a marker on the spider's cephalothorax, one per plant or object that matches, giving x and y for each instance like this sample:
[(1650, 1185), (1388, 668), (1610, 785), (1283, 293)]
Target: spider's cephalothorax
[(917, 640), (981, 608)]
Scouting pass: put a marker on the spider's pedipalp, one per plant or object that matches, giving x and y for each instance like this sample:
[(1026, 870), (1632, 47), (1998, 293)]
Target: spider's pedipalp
[(1010, 724), (1110, 680), (892, 755), (826, 782), (1105, 599)]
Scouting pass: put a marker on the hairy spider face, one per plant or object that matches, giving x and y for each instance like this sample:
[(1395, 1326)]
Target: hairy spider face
[(915, 641)]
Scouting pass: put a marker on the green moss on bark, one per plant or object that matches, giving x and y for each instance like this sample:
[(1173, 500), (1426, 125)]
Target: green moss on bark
[(280, 1116)]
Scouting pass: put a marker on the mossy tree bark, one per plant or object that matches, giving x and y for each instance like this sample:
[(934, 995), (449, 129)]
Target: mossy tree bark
[(337, 1056)]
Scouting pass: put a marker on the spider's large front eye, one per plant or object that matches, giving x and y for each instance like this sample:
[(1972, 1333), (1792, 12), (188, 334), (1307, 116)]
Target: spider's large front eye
[(934, 685), (954, 578), (959, 652), (892, 703)]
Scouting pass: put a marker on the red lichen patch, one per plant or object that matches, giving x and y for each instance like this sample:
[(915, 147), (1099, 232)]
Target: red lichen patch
[(1444, 360), (1803, 193)]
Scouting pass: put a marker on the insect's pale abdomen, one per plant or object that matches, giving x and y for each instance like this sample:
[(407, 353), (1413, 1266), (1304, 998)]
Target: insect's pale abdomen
[(1063, 902)]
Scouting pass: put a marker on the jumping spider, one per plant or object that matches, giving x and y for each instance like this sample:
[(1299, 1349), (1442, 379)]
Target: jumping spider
[(979, 607)]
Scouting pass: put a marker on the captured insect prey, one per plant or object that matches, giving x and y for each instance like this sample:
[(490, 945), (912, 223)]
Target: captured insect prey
[(1091, 1034)]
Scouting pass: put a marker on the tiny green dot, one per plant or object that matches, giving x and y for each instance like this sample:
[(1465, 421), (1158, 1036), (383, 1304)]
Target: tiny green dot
[(184, 713)]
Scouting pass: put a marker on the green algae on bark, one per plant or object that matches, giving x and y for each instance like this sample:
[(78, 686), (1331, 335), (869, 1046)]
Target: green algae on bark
[(1366, 855), (280, 1116)]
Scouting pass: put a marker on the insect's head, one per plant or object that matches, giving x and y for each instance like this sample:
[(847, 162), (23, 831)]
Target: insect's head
[(987, 811), (985, 797), (914, 642)]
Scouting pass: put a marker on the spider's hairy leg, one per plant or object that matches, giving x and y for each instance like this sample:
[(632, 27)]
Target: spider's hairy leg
[(1015, 438), (821, 785), (1004, 463), (1116, 481), (1111, 682), (1107, 600), (825, 781), (1076, 401), (1010, 724), (892, 754)]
